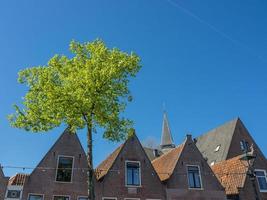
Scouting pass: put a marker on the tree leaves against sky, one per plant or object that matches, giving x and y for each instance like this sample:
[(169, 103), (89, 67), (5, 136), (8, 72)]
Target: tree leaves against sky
[(91, 87)]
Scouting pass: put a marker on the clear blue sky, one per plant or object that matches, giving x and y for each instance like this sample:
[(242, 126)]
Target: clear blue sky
[(207, 60)]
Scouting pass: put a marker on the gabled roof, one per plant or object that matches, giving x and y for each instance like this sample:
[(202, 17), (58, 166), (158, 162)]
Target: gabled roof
[(166, 137), (65, 139), (165, 164), (105, 166), (221, 136), (231, 173), (18, 179)]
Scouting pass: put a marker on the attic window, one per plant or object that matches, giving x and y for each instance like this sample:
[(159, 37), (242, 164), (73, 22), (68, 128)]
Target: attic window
[(133, 174), (217, 148), (244, 145), (194, 177), (64, 169)]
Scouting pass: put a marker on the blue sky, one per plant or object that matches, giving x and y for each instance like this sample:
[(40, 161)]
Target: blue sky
[(207, 60)]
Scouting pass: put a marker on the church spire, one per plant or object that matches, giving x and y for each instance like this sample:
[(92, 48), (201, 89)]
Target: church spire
[(166, 137)]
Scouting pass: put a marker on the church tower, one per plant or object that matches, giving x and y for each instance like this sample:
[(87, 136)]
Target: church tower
[(166, 137)]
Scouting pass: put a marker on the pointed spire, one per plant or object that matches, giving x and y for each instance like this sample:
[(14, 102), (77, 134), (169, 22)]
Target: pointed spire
[(166, 137)]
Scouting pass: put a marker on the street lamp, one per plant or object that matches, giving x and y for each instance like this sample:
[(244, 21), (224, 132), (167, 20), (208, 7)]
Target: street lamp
[(250, 158)]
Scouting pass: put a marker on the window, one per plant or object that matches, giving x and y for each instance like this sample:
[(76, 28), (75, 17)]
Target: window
[(244, 145), (36, 197), (133, 175), (61, 198), (109, 198), (194, 178), (261, 178), (13, 194), (217, 148), (82, 198), (131, 199), (64, 169)]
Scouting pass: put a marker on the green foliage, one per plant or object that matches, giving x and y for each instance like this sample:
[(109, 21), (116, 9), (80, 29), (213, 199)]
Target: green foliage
[(89, 89)]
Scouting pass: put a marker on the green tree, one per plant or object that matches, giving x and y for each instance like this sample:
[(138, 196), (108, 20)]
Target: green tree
[(89, 90)]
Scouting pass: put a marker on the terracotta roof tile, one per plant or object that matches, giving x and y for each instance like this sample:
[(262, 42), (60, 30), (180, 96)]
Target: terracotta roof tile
[(103, 168), (231, 173), (18, 179), (165, 164)]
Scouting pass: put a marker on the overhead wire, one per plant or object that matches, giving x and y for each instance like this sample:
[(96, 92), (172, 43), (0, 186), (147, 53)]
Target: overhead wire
[(215, 29)]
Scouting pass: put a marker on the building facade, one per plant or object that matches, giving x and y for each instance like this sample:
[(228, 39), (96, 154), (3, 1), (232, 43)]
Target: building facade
[(226, 149), (61, 174), (15, 185), (128, 174), (186, 175), (3, 184), (211, 166)]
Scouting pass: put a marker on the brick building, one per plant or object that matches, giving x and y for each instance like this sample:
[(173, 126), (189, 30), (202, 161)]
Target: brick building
[(225, 149), (15, 185), (186, 175), (3, 184), (61, 174), (211, 166), (128, 174)]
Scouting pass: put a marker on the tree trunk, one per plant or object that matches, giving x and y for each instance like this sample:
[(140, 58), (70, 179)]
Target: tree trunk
[(90, 171)]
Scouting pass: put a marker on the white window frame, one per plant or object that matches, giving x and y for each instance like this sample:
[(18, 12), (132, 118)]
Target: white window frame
[(35, 194), (134, 186), (82, 197), (200, 177), (115, 198), (73, 160), (61, 195), (265, 175)]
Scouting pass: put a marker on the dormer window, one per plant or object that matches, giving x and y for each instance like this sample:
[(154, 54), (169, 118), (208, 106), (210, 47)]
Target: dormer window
[(217, 148), (133, 173), (244, 145), (64, 169)]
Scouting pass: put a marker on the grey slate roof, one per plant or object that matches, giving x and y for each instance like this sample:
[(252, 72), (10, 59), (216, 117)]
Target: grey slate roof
[(151, 153), (220, 136), (166, 137)]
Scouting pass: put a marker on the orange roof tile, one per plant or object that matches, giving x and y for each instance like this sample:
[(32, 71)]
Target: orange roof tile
[(165, 164), (104, 167), (231, 173), (18, 179)]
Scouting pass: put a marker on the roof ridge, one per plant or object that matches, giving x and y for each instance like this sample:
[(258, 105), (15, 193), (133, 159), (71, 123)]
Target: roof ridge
[(234, 120), (163, 169)]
